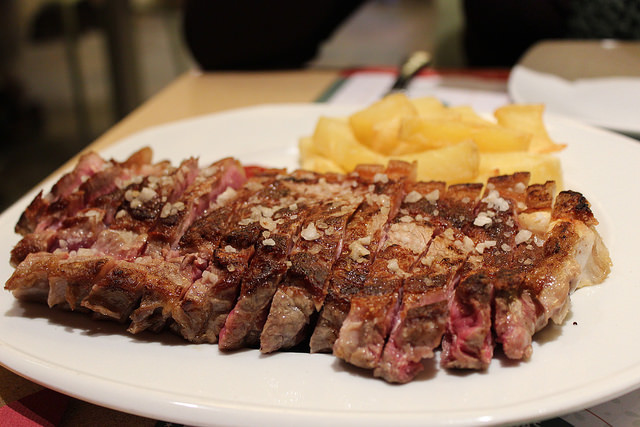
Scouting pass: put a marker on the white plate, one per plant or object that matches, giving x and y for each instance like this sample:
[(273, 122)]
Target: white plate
[(162, 377), (609, 102)]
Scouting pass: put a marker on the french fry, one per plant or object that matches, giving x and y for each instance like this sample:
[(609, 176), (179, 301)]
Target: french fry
[(453, 144), (306, 147), (365, 123), (453, 164), (385, 136), (468, 115), (496, 139), (432, 133), (334, 139), (528, 118), (543, 167), (428, 106), (311, 160), (317, 163), (428, 133), (432, 108)]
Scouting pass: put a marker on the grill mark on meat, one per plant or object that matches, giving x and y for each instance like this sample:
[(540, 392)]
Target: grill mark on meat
[(363, 237), (366, 327), (420, 322)]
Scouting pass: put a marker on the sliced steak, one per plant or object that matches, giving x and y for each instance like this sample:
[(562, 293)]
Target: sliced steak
[(364, 235), (304, 286), (206, 304), (194, 193), (176, 216), (420, 322), (67, 228), (270, 261), (45, 210), (517, 311), (372, 266), (366, 328), (572, 256), (468, 342)]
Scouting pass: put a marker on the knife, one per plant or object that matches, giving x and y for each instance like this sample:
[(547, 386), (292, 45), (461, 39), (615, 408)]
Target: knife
[(408, 70)]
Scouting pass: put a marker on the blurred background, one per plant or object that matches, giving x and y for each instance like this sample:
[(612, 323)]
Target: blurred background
[(59, 89), (70, 69)]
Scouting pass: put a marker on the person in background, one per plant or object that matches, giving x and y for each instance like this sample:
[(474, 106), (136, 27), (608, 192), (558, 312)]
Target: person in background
[(20, 117), (498, 32), (276, 34)]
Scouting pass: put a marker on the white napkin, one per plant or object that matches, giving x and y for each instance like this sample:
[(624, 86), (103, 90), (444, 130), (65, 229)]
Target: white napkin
[(366, 87), (610, 102)]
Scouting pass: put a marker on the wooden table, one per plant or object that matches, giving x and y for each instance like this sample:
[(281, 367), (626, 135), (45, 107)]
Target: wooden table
[(195, 93), (190, 95)]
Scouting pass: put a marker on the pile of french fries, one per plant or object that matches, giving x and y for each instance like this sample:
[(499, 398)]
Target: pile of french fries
[(452, 144)]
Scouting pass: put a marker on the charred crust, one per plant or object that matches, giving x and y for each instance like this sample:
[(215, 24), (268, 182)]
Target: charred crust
[(507, 182), (243, 236), (573, 205), (561, 239), (508, 284), (540, 196), (304, 268), (28, 245), (29, 218), (144, 212), (474, 290)]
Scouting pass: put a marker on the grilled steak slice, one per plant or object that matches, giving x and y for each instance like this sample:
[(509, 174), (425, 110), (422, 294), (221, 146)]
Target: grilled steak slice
[(32, 243), (45, 210), (69, 221), (517, 312), (364, 235), (30, 279), (206, 304), (304, 286), (572, 256), (163, 288), (281, 223), (366, 328), (57, 279), (195, 194), (91, 177), (420, 321), (468, 341), (177, 216), (197, 247), (126, 238)]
